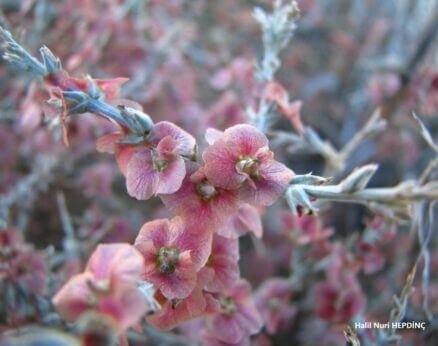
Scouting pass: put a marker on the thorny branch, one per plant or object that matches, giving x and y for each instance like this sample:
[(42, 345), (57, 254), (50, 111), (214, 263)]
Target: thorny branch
[(393, 202), (77, 101)]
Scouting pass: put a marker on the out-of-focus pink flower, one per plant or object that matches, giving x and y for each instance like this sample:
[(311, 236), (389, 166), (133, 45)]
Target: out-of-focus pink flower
[(9, 239), (338, 301), (370, 257), (21, 264), (31, 110), (274, 92), (223, 261), (226, 112), (246, 219), (428, 97), (176, 311), (382, 86), (191, 329), (342, 263), (108, 286), (273, 303), (96, 180), (304, 229), (241, 159), (344, 41), (239, 71), (381, 229), (201, 202), (173, 253), (238, 318)]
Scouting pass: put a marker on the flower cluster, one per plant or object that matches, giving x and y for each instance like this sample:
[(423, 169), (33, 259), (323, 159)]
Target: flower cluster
[(192, 258)]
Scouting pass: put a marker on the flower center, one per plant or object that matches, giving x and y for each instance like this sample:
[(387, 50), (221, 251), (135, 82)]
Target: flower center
[(248, 165), (167, 259), (159, 164), (97, 288), (228, 305), (274, 304), (206, 190), (101, 286)]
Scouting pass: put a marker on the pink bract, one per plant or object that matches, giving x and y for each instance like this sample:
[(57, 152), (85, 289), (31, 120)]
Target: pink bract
[(200, 202), (186, 143), (153, 171), (108, 286), (273, 303), (176, 311), (223, 262), (304, 229), (239, 317), (155, 166), (339, 301), (241, 159), (173, 253), (246, 219)]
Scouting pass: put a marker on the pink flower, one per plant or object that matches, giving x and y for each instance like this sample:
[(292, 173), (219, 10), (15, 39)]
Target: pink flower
[(338, 301), (199, 201), (155, 170), (246, 219), (241, 159), (238, 318), (186, 144), (108, 286), (173, 253), (304, 229), (113, 144), (226, 112), (382, 86), (21, 264), (97, 180), (238, 72), (273, 303), (176, 311), (155, 166), (370, 256), (223, 262), (274, 92)]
